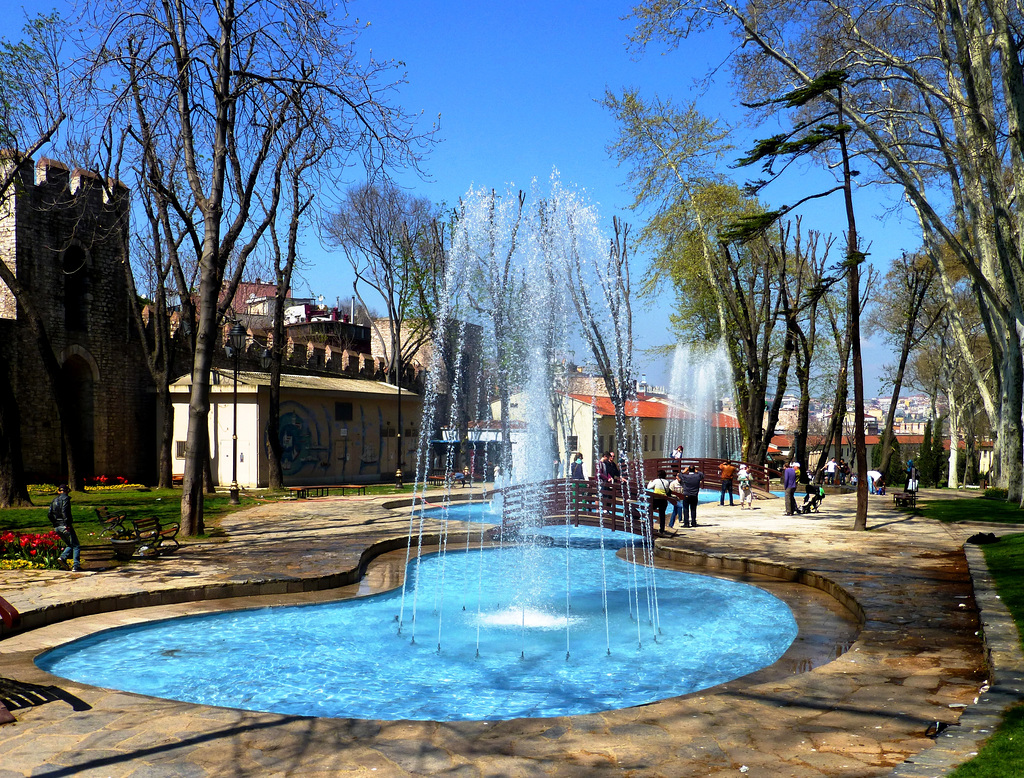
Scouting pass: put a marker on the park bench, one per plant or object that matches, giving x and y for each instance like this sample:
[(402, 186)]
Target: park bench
[(906, 499), (113, 523), (159, 538), (121, 549), (305, 492)]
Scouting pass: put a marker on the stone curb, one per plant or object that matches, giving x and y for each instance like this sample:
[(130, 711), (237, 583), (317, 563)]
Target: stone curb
[(1005, 660), (265, 585)]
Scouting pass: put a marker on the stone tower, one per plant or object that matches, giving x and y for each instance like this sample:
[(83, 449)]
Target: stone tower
[(66, 239)]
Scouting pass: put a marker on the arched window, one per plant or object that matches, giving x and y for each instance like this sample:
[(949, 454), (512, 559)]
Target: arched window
[(76, 288)]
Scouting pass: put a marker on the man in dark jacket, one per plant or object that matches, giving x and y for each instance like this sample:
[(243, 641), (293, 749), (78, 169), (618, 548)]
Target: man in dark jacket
[(60, 518), (692, 482)]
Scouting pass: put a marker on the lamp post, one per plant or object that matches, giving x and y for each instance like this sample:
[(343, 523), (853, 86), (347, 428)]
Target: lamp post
[(234, 346)]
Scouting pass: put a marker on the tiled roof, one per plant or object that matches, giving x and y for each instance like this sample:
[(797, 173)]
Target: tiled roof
[(652, 409), (223, 378)]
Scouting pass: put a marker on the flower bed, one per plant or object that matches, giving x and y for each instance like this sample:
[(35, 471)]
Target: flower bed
[(29, 551)]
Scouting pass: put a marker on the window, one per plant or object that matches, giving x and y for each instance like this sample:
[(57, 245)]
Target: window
[(572, 443), (611, 442), (76, 288), (343, 411), (600, 444), (645, 444), (661, 442), (179, 449)]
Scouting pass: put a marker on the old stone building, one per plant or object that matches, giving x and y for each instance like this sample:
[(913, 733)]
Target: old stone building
[(65, 236)]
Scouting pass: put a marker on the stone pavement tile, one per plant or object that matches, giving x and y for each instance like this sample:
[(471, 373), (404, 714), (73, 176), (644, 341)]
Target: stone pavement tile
[(892, 573)]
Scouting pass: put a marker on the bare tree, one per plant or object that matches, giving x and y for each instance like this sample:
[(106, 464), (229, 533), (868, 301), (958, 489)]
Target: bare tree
[(902, 319), (385, 234), (33, 106), (217, 85)]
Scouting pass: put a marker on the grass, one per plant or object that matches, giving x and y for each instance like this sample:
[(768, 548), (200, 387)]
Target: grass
[(164, 504), (977, 509)]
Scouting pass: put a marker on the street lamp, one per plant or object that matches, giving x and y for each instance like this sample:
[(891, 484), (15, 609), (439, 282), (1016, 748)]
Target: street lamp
[(233, 348)]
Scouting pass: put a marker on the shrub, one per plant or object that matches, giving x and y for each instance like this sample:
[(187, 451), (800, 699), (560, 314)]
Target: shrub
[(996, 493)]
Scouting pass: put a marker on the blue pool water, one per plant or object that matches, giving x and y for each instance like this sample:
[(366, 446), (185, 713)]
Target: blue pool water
[(470, 650)]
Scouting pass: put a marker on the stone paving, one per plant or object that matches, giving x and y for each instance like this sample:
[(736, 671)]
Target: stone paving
[(891, 649)]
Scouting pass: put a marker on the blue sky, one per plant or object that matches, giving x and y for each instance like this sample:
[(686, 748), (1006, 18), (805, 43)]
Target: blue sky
[(515, 86)]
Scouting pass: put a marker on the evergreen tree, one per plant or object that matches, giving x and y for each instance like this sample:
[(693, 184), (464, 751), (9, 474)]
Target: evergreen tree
[(926, 457), (895, 473), (940, 457)]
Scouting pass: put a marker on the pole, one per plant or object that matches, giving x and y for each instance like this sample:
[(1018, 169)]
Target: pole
[(398, 383), (234, 435)]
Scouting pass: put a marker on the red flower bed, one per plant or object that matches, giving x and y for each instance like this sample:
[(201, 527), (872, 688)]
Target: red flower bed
[(42, 548)]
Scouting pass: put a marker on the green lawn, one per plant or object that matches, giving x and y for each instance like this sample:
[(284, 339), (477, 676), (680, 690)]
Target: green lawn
[(164, 504), (966, 509)]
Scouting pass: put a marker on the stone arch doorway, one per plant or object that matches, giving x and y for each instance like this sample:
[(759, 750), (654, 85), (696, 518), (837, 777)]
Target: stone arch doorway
[(80, 384)]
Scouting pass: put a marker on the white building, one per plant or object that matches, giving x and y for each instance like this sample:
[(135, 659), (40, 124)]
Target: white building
[(332, 430)]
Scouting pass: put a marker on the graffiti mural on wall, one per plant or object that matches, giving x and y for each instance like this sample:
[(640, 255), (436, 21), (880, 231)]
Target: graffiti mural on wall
[(305, 435), (369, 460)]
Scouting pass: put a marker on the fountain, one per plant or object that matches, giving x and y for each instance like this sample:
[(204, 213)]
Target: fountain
[(700, 379), (527, 618)]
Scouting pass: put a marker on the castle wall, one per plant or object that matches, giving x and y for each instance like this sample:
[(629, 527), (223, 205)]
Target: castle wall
[(68, 242)]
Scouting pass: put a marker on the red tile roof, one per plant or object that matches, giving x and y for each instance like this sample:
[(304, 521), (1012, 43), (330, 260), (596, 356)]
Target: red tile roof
[(652, 409)]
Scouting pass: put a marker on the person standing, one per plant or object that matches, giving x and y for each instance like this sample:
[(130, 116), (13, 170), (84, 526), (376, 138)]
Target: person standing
[(577, 467), (692, 481), (726, 471), (60, 517), (657, 491), (675, 492), (746, 488), (613, 467), (789, 486), (830, 471)]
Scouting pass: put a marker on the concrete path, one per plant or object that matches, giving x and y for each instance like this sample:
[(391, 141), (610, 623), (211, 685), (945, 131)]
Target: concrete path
[(854, 697)]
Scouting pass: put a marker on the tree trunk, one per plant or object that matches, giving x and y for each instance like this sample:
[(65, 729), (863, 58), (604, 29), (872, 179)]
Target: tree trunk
[(13, 489)]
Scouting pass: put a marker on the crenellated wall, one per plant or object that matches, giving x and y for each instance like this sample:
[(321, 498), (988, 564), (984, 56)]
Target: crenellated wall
[(65, 235)]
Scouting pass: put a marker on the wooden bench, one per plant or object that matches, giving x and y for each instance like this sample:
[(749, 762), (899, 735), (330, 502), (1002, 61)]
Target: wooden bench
[(454, 478), (160, 538), (177, 479), (121, 549), (905, 499), (113, 523), (305, 492)]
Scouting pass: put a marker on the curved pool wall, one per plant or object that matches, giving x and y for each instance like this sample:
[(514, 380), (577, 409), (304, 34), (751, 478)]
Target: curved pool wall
[(355, 671), (470, 508)]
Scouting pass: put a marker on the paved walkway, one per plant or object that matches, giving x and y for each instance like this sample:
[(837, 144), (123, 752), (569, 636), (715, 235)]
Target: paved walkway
[(842, 702)]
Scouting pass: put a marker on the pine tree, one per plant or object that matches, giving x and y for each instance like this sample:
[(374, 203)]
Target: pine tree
[(939, 456), (926, 457)]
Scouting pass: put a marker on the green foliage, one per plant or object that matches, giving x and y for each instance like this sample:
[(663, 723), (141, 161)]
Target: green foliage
[(748, 227), (996, 493), (896, 473), (28, 81), (939, 458), (926, 457)]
